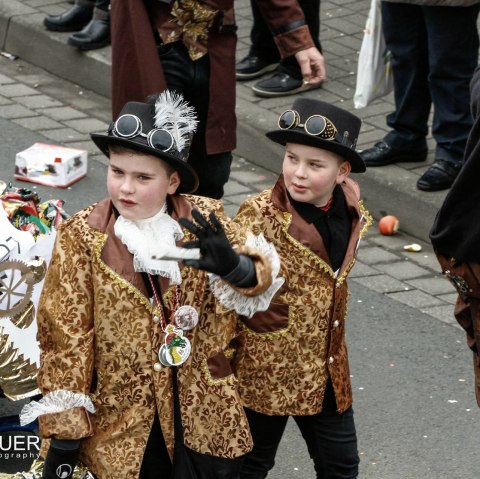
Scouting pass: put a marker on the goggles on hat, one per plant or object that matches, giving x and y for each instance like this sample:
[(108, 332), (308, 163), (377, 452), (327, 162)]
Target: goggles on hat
[(315, 125), (129, 126)]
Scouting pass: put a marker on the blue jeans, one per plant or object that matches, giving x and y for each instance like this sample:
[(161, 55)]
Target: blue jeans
[(330, 437), (191, 78), (434, 53)]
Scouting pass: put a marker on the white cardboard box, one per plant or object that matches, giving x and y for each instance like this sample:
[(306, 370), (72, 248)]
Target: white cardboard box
[(51, 165)]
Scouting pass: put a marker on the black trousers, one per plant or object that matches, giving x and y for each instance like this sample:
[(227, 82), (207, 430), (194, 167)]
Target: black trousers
[(192, 79), (330, 437), (157, 465), (263, 45), (434, 53)]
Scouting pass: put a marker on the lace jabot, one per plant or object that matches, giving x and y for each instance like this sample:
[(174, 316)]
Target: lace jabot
[(151, 237)]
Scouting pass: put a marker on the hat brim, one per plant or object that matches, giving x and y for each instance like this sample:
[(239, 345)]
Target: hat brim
[(188, 177), (292, 136)]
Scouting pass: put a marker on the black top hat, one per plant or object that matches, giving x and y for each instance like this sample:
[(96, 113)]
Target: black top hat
[(322, 125), (163, 128)]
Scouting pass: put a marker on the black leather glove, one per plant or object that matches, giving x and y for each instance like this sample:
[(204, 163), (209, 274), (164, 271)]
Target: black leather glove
[(218, 256), (61, 459)]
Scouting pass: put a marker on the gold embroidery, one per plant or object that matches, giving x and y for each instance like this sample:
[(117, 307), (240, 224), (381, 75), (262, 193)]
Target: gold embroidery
[(229, 353), (287, 220), (167, 296), (368, 219), (125, 284), (194, 19), (343, 276), (227, 380)]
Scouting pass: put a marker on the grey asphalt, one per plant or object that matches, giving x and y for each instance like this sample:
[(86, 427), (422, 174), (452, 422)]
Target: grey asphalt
[(412, 378)]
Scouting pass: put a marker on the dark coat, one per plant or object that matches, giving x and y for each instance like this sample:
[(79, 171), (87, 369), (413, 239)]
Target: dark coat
[(455, 236)]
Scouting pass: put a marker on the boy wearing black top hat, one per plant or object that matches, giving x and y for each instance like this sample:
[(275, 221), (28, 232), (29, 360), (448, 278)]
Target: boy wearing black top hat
[(292, 359), (120, 313)]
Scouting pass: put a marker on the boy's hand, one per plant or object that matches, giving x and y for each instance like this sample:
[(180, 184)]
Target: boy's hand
[(218, 256)]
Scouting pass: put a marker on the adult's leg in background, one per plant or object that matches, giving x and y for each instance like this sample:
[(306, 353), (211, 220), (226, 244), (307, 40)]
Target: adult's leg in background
[(453, 57), (262, 44), (191, 78), (406, 38), (311, 10)]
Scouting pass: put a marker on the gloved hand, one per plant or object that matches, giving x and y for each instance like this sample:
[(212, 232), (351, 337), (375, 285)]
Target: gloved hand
[(218, 256), (61, 459)]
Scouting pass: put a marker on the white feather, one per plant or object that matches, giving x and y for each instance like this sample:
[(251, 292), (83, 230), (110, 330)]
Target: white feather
[(175, 115)]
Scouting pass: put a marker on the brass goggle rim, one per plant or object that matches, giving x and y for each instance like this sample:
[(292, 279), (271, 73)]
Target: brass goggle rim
[(329, 126)]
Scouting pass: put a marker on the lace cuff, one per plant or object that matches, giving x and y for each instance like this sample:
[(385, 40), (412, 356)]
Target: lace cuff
[(234, 298), (56, 401)]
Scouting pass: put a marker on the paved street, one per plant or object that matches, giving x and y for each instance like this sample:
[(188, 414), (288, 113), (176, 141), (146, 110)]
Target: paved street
[(413, 386)]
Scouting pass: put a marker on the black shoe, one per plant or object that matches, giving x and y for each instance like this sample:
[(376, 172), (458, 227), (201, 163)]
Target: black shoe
[(95, 35), (382, 154), (281, 84), (70, 21), (253, 67), (440, 176)]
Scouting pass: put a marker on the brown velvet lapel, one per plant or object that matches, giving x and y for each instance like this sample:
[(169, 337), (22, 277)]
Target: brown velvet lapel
[(305, 233)]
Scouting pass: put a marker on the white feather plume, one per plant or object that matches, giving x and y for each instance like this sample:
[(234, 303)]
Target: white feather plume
[(174, 114)]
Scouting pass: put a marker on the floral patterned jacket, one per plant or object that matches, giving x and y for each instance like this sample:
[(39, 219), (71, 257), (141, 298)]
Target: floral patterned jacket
[(286, 354), (99, 338)]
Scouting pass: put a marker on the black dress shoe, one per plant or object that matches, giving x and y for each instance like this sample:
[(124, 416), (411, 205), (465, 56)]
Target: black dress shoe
[(281, 84), (382, 154), (70, 21), (95, 35), (253, 67), (440, 176)]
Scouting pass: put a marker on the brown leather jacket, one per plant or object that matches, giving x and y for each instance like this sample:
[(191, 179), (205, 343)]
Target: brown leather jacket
[(466, 279)]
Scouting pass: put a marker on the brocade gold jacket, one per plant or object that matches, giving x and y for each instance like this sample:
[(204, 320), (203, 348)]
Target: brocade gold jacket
[(285, 355), (99, 338)]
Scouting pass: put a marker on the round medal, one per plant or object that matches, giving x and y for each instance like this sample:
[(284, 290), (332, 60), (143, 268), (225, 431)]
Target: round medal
[(186, 317), (162, 355), (178, 347)]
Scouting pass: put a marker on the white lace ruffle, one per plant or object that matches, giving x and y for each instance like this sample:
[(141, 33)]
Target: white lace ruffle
[(151, 237), (56, 401), (245, 305)]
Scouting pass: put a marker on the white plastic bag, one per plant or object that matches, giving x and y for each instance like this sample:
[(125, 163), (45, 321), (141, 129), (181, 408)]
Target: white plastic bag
[(374, 72)]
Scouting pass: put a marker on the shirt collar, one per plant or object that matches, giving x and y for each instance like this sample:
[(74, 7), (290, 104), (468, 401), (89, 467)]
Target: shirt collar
[(310, 213)]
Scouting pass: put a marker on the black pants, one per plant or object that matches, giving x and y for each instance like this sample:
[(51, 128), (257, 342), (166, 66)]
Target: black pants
[(434, 53), (156, 461), (101, 4), (263, 45), (330, 437), (192, 79)]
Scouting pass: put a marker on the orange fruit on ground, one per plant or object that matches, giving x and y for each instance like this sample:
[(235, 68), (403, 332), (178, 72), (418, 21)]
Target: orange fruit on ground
[(388, 225)]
